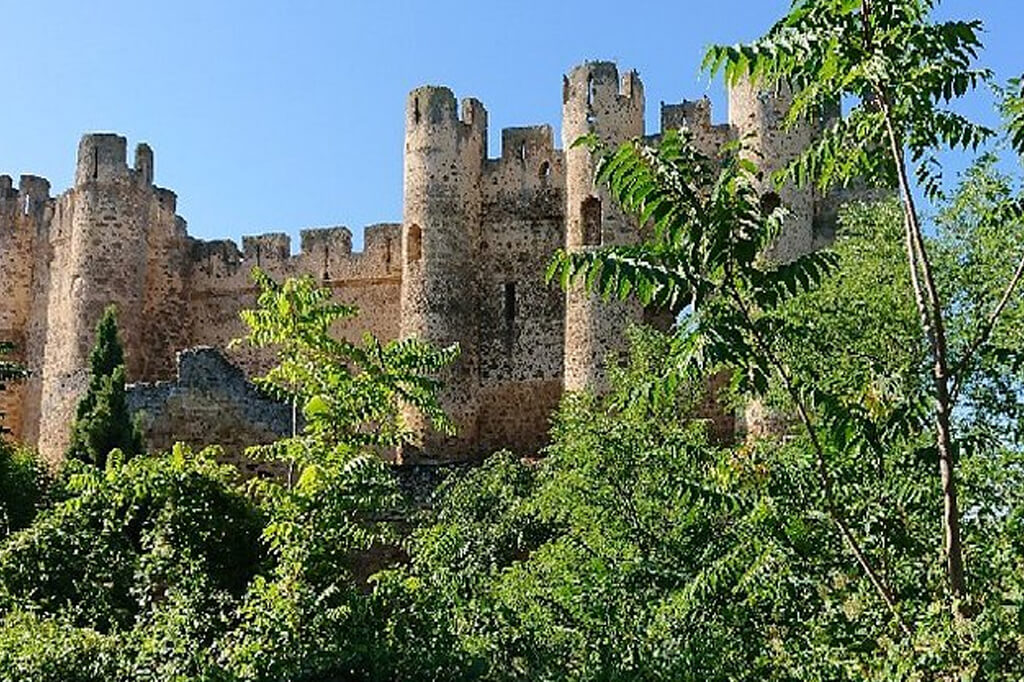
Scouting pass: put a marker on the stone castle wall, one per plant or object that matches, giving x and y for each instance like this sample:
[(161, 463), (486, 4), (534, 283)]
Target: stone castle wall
[(466, 266)]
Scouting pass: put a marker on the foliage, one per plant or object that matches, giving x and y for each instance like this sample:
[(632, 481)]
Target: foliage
[(23, 485), (37, 648), (901, 70), (306, 618), (904, 71), (350, 394), (102, 421), (130, 537)]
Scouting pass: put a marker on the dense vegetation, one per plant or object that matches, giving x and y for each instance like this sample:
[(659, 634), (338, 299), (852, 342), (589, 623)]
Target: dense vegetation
[(875, 532)]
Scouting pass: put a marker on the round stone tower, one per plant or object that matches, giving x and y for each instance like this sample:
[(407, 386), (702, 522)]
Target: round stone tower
[(759, 119), (444, 156), (100, 239), (109, 242), (595, 100)]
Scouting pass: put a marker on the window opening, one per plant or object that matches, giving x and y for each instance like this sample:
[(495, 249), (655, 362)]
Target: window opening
[(590, 217), (510, 303), (415, 245)]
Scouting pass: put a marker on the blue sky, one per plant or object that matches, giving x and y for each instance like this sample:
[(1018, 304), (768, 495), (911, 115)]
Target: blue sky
[(275, 116)]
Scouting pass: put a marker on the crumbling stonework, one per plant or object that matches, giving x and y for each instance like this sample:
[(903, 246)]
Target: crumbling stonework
[(210, 401), (465, 265)]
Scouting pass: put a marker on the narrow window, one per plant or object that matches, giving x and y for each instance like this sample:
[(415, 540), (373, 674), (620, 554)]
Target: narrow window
[(327, 260), (387, 255), (95, 163), (415, 245), (28, 204), (590, 90), (590, 219), (416, 110), (522, 151), (510, 303), (545, 172)]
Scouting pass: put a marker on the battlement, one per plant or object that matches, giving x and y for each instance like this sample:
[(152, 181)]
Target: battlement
[(144, 162), (695, 116), (527, 142), (32, 193), (328, 247), (333, 240), (433, 106), (599, 85), (32, 186), (687, 114), (264, 248), (103, 158), (166, 198)]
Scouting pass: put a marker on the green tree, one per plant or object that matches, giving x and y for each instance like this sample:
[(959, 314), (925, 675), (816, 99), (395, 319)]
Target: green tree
[(307, 617), (102, 421), (905, 71), (704, 256), (350, 395)]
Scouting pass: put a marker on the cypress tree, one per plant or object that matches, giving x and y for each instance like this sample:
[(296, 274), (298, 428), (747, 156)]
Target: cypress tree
[(102, 422)]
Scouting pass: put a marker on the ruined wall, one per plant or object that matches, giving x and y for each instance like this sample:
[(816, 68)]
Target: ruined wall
[(210, 402), (466, 266)]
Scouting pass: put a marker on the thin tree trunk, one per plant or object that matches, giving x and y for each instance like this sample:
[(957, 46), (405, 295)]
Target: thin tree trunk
[(931, 314), (930, 309)]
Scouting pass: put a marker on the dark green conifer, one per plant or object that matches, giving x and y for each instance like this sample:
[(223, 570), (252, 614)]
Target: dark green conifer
[(102, 422)]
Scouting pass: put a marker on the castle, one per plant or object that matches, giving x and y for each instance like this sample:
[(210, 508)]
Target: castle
[(465, 265)]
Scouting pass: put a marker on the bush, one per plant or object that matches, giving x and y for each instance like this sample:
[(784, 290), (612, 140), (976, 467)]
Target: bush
[(23, 485)]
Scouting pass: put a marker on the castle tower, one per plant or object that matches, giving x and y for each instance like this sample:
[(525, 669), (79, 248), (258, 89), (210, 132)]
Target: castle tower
[(759, 119), (595, 100), (99, 238), (444, 156), (23, 210)]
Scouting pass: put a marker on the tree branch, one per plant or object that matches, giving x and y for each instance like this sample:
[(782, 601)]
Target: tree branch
[(985, 333), (822, 467)]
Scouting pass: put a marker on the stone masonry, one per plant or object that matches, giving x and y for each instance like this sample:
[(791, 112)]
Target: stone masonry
[(465, 265)]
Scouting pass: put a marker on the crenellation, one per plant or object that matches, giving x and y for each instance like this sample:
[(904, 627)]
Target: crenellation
[(35, 187), (144, 162), (102, 157), (695, 117), (526, 143), (167, 199), (267, 250), (337, 241), (465, 265)]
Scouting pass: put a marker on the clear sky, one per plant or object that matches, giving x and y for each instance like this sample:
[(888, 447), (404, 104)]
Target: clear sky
[(275, 116)]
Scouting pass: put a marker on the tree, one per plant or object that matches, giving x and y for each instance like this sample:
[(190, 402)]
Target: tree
[(102, 420), (350, 395), (904, 71), (306, 618)]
